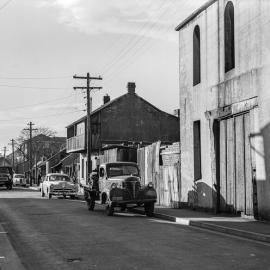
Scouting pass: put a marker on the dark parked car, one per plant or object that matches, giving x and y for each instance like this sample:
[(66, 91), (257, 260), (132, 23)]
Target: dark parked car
[(6, 175)]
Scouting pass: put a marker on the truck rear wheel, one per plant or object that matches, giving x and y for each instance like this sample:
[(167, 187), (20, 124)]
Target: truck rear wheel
[(149, 209), (109, 210), (91, 204)]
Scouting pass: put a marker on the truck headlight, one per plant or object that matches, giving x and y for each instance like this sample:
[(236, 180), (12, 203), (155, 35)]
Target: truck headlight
[(150, 185), (114, 185)]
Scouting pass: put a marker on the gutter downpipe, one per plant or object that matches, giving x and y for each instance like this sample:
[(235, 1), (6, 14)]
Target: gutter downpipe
[(180, 144)]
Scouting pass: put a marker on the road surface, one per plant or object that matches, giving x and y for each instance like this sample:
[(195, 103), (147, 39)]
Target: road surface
[(63, 234)]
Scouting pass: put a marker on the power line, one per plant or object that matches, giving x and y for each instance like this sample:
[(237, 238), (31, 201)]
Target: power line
[(34, 78), (4, 5), (32, 87), (131, 45), (34, 104), (44, 116), (139, 50), (135, 41)]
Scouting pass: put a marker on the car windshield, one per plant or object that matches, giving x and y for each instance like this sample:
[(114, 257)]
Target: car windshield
[(19, 176), (59, 178), (122, 169)]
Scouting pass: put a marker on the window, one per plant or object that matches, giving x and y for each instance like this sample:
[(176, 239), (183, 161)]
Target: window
[(82, 168), (196, 56), (229, 37), (197, 150)]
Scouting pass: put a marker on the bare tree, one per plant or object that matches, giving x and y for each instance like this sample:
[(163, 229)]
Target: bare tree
[(24, 134)]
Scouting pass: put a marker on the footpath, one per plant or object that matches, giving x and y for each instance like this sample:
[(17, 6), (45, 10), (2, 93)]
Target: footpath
[(239, 226)]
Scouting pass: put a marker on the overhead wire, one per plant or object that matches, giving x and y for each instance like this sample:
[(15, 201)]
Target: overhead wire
[(137, 51), (34, 104), (112, 46), (33, 87), (131, 45), (44, 116), (5, 4), (34, 78)]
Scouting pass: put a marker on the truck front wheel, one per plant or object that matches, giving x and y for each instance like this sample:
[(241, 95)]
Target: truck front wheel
[(149, 209)]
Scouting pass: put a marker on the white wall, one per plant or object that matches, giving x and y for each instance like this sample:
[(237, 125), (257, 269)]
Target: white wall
[(217, 88)]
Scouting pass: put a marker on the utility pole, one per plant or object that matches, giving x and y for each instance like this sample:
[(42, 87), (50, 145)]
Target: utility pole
[(30, 129), (12, 145), (88, 89)]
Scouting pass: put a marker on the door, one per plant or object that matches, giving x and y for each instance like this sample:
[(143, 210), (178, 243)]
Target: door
[(236, 192)]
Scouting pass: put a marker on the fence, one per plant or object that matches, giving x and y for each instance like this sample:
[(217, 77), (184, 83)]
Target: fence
[(160, 165)]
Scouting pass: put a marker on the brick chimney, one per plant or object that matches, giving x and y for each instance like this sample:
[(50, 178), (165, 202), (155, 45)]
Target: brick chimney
[(131, 87), (106, 99)]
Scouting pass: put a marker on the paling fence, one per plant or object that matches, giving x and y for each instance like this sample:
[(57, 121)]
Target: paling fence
[(160, 165)]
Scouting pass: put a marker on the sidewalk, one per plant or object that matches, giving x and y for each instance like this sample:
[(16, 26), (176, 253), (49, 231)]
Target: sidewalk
[(233, 225)]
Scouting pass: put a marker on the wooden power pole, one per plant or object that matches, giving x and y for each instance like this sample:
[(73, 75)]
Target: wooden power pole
[(88, 89), (12, 145), (30, 129)]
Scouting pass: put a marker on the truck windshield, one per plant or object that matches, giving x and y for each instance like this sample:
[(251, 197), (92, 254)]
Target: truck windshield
[(19, 176), (122, 169), (59, 178)]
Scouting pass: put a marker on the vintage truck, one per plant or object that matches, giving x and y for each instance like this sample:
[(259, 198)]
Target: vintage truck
[(118, 185)]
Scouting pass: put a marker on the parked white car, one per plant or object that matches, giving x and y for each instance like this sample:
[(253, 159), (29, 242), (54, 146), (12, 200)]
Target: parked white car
[(58, 184), (19, 179)]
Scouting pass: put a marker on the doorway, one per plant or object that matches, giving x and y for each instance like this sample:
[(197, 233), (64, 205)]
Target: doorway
[(234, 170)]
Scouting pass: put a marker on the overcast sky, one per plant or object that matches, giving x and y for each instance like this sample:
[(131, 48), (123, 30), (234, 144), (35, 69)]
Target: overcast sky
[(45, 42)]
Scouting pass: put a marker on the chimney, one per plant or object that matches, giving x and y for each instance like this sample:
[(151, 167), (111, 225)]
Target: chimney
[(131, 87), (106, 99)]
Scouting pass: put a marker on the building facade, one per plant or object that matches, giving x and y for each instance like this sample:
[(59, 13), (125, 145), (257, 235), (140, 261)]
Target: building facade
[(223, 67)]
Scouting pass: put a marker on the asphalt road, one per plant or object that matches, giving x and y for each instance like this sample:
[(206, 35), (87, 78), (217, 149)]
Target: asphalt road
[(63, 234)]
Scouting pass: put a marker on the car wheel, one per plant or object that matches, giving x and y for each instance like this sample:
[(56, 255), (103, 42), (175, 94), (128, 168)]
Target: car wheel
[(149, 209), (72, 197), (109, 210), (64, 196), (91, 204), (50, 195), (42, 193), (123, 208)]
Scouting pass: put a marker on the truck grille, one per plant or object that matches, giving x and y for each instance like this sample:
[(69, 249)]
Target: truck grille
[(62, 190), (132, 187)]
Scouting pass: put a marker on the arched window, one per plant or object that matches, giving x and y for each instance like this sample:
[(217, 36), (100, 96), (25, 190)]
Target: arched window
[(229, 36), (196, 56)]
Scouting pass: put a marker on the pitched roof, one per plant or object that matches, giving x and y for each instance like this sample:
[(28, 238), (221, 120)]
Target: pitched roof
[(195, 14), (110, 103)]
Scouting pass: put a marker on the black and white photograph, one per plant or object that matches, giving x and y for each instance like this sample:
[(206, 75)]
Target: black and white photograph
[(135, 134)]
